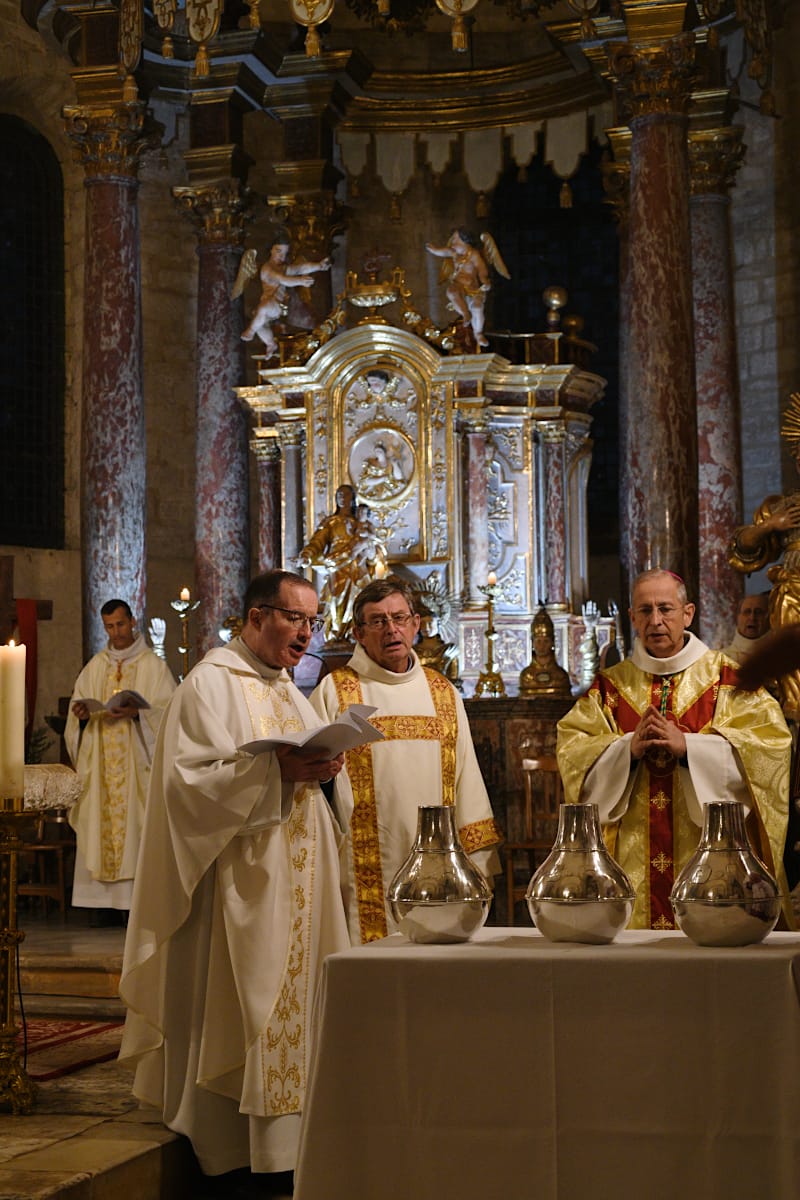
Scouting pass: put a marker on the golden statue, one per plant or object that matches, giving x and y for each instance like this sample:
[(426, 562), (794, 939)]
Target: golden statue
[(775, 532), (543, 676), (348, 551)]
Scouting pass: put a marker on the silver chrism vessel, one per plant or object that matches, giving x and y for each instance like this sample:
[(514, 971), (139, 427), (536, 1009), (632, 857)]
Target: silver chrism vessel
[(725, 896), (438, 895), (579, 893)]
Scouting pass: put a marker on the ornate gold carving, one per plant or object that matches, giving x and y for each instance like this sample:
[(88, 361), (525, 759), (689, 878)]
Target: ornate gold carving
[(130, 34), (659, 75), (616, 173), (219, 211), (107, 139), (202, 24), (312, 223), (715, 156)]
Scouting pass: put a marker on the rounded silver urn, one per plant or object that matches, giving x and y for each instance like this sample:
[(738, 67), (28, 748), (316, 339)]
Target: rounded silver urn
[(438, 895), (725, 896), (579, 893)]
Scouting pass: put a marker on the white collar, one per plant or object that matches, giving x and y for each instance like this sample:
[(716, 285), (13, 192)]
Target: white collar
[(362, 664), (741, 646), (693, 650), (137, 647)]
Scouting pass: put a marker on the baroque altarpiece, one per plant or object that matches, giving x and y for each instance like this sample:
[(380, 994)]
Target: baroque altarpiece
[(470, 465)]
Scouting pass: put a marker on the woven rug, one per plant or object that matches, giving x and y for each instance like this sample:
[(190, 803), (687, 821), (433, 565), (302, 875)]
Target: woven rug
[(59, 1047)]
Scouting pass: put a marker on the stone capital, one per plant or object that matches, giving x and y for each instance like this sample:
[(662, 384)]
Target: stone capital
[(108, 138), (219, 211), (656, 76)]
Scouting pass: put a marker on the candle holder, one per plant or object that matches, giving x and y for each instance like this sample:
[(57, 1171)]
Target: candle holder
[(184, 607), (17, 1090), (489, 680)]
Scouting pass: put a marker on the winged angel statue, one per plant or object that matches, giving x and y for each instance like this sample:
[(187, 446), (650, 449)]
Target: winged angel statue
[(466, 273), (276, 274)]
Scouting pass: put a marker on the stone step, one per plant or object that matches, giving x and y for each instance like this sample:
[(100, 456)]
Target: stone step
[(70, 970)]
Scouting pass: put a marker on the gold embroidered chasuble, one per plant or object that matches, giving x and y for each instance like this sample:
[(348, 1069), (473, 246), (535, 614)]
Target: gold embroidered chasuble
[(652, 816), (427, 758), (236, 904)]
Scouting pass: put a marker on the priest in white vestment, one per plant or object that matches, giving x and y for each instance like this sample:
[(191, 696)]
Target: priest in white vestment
[(427, 757), (237, 898), (111, 750), (663, 732)]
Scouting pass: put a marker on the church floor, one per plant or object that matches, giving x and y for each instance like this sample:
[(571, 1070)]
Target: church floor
[(87, 1137)]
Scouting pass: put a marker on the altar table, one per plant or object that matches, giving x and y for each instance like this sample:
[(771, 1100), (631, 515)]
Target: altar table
[(513, 1068)]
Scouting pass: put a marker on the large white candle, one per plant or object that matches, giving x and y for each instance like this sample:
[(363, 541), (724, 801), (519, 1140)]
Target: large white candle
[(12, 721)]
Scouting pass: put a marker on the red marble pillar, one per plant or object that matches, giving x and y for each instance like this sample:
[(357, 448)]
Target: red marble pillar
[(222, 537), (714, 157), (267, 454), (113, 496), (476, 567), (552, 441), (291, 436), (616, 181), (658, 486)]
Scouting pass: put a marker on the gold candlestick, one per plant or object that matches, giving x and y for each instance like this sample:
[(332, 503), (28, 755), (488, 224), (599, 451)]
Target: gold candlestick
[(489, 680), (184, 606), (17, 1090)]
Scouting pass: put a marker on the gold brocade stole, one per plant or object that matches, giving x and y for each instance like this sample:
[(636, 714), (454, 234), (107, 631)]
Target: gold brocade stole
[(115, 743), (443, 728), (662, 768), (284, 1040)]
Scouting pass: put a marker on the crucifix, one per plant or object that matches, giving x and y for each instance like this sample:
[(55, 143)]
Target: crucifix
[(8, 605)]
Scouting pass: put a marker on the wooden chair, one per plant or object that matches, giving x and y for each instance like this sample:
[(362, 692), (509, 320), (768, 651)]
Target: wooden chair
[(543, 796), (48, 856)]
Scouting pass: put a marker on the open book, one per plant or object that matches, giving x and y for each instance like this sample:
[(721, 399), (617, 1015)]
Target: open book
[(127, 696), (351, 728)]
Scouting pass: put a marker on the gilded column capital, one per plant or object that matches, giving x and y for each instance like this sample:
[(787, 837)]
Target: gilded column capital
[(657, 76), (291, 435), (266, 449), (312, 222), (715, 156), (107, 138), (219, 211), (552, 433)]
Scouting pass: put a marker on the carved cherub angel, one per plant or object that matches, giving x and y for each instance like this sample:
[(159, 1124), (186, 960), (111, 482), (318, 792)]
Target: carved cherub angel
[(277, 274), (467, 275)]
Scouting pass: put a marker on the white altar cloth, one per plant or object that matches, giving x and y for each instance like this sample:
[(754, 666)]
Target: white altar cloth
[(513, 1068)]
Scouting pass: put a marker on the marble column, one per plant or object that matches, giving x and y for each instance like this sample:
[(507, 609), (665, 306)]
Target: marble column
[(476, 541), (658, 486), (222, 537), (714, 156), (109, 139), (617, 182), (267, 453), (291, 435), (552, 444)]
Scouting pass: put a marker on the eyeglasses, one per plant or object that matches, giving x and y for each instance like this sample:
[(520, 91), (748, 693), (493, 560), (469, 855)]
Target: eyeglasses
[(382, 622), (663, 610), (297, 619)]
